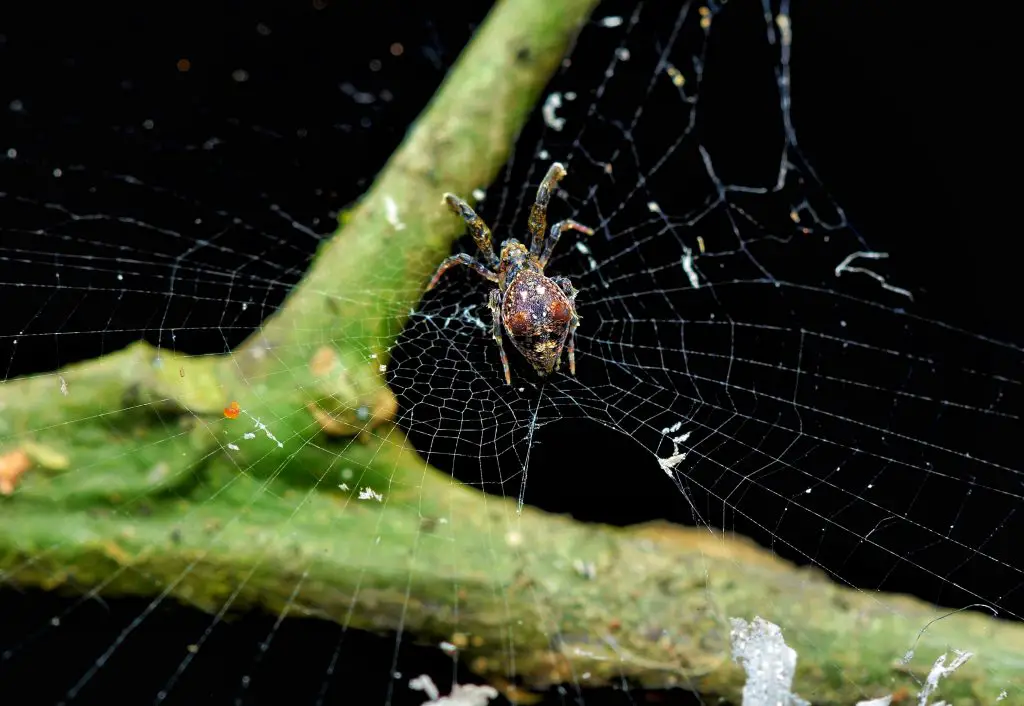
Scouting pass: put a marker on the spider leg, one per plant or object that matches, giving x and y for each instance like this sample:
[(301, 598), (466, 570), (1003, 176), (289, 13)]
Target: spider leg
[(570, 341), (494, 304), (538, 222), (477, 228), (556, 232), (461, 259)]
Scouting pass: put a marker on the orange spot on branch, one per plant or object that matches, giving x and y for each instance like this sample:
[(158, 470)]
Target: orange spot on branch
[(12, 465)]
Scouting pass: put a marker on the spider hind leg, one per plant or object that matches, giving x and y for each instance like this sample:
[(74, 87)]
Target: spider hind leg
[(570, 341), (494, 304)]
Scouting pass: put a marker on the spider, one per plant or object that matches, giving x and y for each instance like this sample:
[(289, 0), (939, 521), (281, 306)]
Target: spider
[(538, 312)]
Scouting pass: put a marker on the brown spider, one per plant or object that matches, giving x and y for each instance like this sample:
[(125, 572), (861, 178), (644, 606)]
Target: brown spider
[(538, 312)]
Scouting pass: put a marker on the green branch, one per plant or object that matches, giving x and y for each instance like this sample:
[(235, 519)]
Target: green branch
[(135, 481)]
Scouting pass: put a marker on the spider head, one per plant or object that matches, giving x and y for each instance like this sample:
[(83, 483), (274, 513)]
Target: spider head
[(514, 252), (514, 259)]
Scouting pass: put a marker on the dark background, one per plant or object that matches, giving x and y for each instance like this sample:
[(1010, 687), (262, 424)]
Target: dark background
[(902, 113)]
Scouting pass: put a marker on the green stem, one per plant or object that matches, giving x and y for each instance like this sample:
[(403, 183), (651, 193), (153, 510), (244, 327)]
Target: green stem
[(138, 484)]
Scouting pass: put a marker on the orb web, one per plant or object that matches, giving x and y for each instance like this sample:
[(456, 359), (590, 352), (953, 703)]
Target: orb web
[(751, 360)]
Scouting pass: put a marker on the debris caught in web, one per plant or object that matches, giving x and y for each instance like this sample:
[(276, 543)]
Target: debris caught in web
[(551, 106), (369, 493), (462, 694), (691, 274), (844, 266), (676, 457)]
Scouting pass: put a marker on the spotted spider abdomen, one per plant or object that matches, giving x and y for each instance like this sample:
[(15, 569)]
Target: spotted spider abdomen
[(537, 316)]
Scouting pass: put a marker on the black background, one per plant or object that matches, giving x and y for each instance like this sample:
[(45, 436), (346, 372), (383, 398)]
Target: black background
[(902, 114)]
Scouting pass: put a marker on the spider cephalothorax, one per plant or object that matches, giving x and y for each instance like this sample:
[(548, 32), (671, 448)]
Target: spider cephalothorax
[(538, 312)]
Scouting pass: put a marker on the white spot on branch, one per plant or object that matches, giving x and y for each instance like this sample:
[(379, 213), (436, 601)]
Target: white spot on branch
[(586, 569), (391, 213), (940, 670), (769, 663), (880, 701)]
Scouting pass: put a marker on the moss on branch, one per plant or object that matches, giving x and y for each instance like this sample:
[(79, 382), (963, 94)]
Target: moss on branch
[(133, 480)]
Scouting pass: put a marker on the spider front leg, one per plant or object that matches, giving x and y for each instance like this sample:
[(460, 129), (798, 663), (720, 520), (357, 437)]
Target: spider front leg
[(477, 228), (556, 233), (494, 304), (570, 341), (538, 222), (461, 259)]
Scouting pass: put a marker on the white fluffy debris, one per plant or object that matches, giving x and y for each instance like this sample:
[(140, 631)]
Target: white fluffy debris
[(551, 105), (691, 274), (610, 21), (266, 430), (845, 266), (670, 463), (880, 701), (426, 685), (369, 493), (769, 663), (462, 694), (940, 670)]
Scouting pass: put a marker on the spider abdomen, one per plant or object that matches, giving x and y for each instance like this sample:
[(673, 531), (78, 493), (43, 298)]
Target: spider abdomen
[(537, 315)]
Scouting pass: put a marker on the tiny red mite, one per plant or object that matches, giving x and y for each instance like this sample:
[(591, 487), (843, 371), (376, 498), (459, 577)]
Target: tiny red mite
[(232, 410), (538, 312)]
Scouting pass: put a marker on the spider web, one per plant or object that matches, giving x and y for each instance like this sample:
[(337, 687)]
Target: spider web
[(752, 357)]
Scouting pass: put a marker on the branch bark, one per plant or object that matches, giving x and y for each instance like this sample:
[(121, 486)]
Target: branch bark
[(128, 485)]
